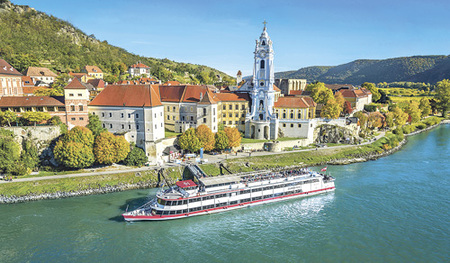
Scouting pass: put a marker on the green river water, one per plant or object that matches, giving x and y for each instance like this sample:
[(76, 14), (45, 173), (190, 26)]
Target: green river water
[(395, 209)]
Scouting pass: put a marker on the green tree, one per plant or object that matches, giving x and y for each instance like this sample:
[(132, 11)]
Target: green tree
[(389, 119), (400, 117), (136, 157), (206, 137), (362, 119), (443, 96), (110, 149), (221, 140), (414, 111), (95, 125), (80, 134), (7, 117), (36, 117), (373, 89), (29, 155), (59, 84), (319, 93), (425, 107), (189, 141), (331, 109), (73, 154), (122, 148), (234, 137), (9, 152)]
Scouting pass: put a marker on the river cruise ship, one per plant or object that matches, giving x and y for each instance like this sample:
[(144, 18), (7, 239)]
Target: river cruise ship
[(204, 194)]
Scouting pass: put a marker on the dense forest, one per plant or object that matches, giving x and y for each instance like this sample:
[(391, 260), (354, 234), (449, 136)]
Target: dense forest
[(426, 69), (33, 38)]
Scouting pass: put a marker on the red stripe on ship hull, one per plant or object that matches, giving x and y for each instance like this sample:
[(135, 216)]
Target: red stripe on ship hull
[(167, 217)]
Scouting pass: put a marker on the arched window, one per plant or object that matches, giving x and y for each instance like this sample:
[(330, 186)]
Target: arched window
[(263, 43), (262, 63)]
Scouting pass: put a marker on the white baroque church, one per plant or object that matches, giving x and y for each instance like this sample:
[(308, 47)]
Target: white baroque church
[(260, 121)]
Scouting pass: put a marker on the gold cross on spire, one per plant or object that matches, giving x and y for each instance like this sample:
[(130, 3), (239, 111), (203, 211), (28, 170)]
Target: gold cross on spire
[(264, 24)]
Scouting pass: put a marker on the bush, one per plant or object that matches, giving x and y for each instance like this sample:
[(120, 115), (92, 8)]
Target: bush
[(421, 126), (370, 107), (136, 157), (407, 129)]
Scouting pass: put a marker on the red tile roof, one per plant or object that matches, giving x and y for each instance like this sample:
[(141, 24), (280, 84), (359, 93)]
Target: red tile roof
[(128, 96), (172, 83), (30, 101), (75, 84), (97, 83), (139, 65), (30, 89), (171, 93), (292, 102), (338, 86), (27, 81), (192, 93), (144, 80), (92, 69), (7, 69), (77, 75), (276, 88), (39, 72), (207, 98), (228, 96), (295, 92), (355, 93)]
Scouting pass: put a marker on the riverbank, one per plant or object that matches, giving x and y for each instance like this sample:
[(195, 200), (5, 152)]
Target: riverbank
[(79, 186)]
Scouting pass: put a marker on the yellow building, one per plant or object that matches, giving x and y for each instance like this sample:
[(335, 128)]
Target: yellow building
[(93, 71), (295, 108), (232, 108)]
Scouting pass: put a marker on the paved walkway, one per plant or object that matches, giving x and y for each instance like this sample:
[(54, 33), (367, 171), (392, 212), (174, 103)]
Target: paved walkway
[(211, 159)]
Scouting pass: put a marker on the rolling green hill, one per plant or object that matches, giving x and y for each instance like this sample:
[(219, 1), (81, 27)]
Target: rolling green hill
[(428, 69), (32, 38)]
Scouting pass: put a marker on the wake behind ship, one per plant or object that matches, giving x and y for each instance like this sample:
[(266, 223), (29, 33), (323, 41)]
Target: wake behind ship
[(200, 194)]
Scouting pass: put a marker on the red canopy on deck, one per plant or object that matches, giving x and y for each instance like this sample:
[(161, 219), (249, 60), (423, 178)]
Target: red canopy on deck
[(185, 184)]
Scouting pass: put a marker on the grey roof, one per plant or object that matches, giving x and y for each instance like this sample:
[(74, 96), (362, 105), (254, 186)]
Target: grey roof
[(207, 181)]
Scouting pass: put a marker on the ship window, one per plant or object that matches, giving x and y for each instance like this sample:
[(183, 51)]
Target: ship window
[(172, 212), (180, 202), (184, 202), (169, 203)]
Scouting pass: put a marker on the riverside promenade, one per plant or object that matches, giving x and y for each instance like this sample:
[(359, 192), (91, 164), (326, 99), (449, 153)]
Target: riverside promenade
[(116, 169)]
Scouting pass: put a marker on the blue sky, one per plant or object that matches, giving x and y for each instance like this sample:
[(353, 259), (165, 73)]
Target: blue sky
[(222, 34)]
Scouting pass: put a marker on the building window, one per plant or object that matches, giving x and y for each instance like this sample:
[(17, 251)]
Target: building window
[(214, 111), (81, 119), (299, 115), (137, 127), (242, 122), (243, 107), (72, 107), (70, 94), (230, 122), (155, 115), (168, 117), (129, 127), (224, 122), (173, 108), (137, 116), (103, 114), (262, 64), (156, 126), (224, 107), (292, 115), (160, 114), (80, 95), (230, 107), (236, 122), (292, 125), (61, 109), (204, 120), (80, 107), (243, 115), (236, 107), (173, 117), (110, 126), (299, 125), (237, 115), (129, 115), (204, 111), (161, 124), (123, 126), (192, 118), (73, 119), (103, 125), (284, 124), (224, 115), (284, 115), (182, 118), (168, 108)]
